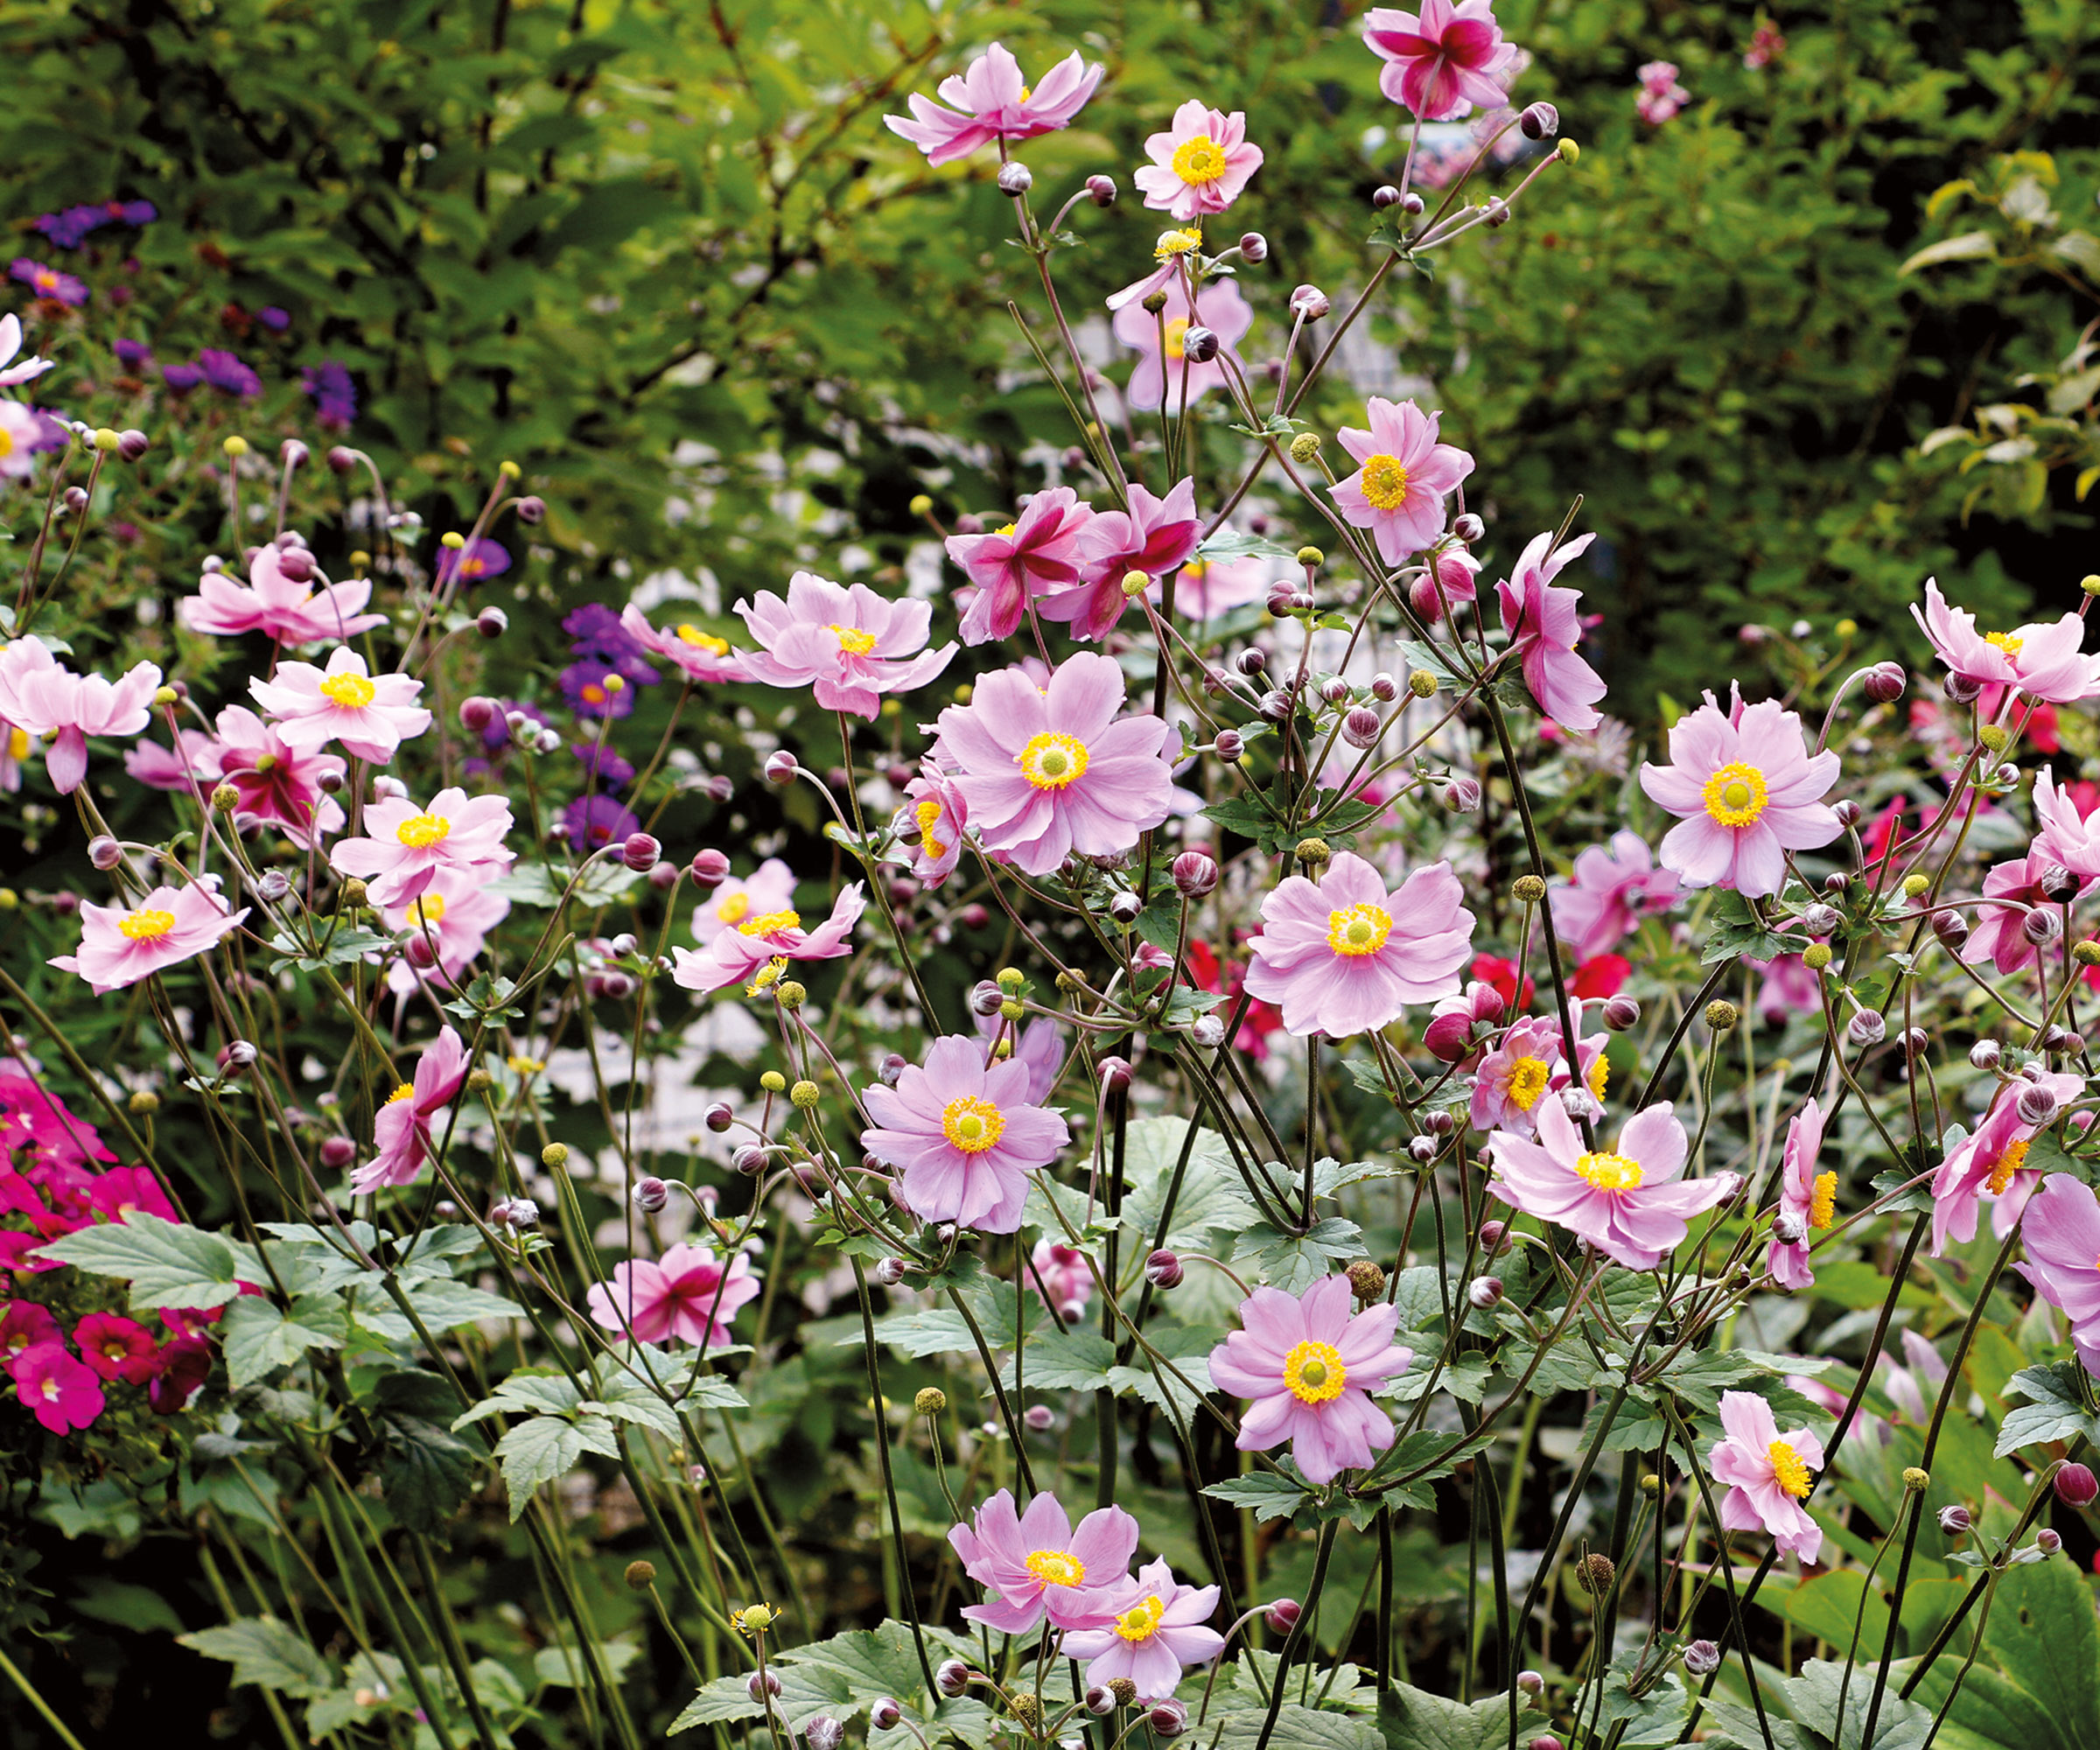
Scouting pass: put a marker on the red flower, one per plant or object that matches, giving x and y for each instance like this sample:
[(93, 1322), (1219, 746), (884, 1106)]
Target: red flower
[(185, 1365), (1600, 976), (117, 1347), (1501, 975)]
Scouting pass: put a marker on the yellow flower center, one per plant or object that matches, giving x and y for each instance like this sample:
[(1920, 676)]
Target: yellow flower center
[(420, 832), (1055, 1567), (1051, 761), (1822, 1201), (852, 641), (17, 739), (1177, 242), (1358, 930), (770, 923), (1137, 1623), (972, 1124), (1609, 1171), (146, 926), (1789, 1469), (928, 814), (518, 1064), (1601, 1072), (1200, 161), (51, 1391), (1734, 795), (1528, 1079), (353, 692), (429, 909), (1314, 1373), (7, 442), (1385, 482), (768, 976), (1006, 528), (2009, 1163), (2005, 642), (405, 1092), (1177, 328), (733, 909), (704, 640)]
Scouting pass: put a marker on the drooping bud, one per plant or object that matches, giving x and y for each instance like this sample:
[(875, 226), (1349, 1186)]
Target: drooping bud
[(2048, 1541), (1885, 683), (779, 768), (1310, 302), (762, 1685), (1956, 1520), (1701, 1659), (1281, 1614), (1097, 1700), (951, 1677), (1163, 1270), (493, 622), (1788, 1228), (1539, 121), (885, 1713), (640, 852), (1199, 345), (1115, 1073), (1620, 1013), (1101, 190), (1484, 1292), (1462, 794)]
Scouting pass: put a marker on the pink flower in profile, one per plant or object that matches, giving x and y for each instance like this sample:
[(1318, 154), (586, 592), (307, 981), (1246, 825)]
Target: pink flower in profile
[(769, 939), (11, 344), (273, 604), (41, 696), (1039, 1048), (851, 644), (1199, 166), (1342, 956), (1544, 624), (962, 1137), (1746, 791), (412, 1126), (1038, 551), (370, 714), (1453, 576), (769, 888), (1767, 1474), (193, 764), (450, 918), (1615, 887), (117, 1347), (2066, 834), (1403, 477), (1805, 1195), (698, 655), (1153, 536), (1631, 1202), (1660, 95), (1998, 936), (1161, 1625), (2062, 1234), (1308, 1367), (1992, 1161), (169, 925), (1051, 771), (1163, 365), (1527, 1064), (934, 809), (62, 1393), (1035, 1566), (687, 1293), (124, 1191), (989, 102), (1060, 1278), (2041, 661), (404, 846), (1442, 61), (1208, 588), (276, 780)]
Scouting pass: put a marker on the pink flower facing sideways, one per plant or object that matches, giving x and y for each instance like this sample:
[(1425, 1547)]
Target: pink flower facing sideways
[(1161, 1626), (1544, 624), (851, 645), (2064, 835), (1308, 1367), (1991, 1162), (1441, 61), (413, 1124), (370, 714), (450, 919), (1163, 368), (62, 1393), (405, 845), (1036, 1565), (1807, 1196), (1527, 1064), (1632, 1202), (1201, 165), (1767, 1474), (1997, 935), (1154, 537), (1404, 476), (1038, 551), (275, 780), (41, 697), (2061, 1231), (698, 655), (1746, 791), (687, 1294), (989, 102), (272, 603), (1342, 956), (962, 1137), (169, 925), (760, 947), (934, 809), (2042, 661), (1614, 888)]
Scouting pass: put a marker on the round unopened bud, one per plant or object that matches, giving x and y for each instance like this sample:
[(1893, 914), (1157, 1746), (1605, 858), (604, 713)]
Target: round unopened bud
[(762, 1685), (1956, 1520), (2076, 1486), (1101, 190), (1721, 1015), (1385, 689), (1310, 302), (1788, 1228), (2058, 884), (1126, 908), (1960, 689), (1015, 178), (889, 1272), (1366, 1280), (1494, 1238), (640, 852), (1702, 1658), (779, 768), (805, 1095), (1200, 345), (1422, 1150), (1952, 929), (1594, 1574), (1362, 727), (1484, 1291), (1335, 690), (1867, 1028), (1304, 449), (1530, 1684), (929, 1400), (640, 1576), (1622, 1012), (951, 1676), (1816, 956), (1884, 682), (2047, 1541), (131, 443), (1460, 794), (1821, 920), (1529, 890), (237, 1055), (1231, 746), (1384, 196), (1195, 873), (2038, 1105), (104, 852), (1539, 122), (1314, 853), (1114, 1073), (650, 1195), (1207, 1031), (1163, 1270), (493, 622), (1276, 705), (1916, 1477), (1098, 1700), (824, 1733), (1038, 1418), (709, 869), (1281, 1614), (2040, 928), (336, 1153), (226, 798)]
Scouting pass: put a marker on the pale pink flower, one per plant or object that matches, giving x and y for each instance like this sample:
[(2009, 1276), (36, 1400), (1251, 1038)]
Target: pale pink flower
[(1172, 250), (1163, 367), (41, 697), (1992, 1161), (413, 1125), (2041, 661), (10, 373), (1035, 1566), (1161, 1625), (989, 102), (1441, 61), (1614, 888), (169, 925), (698, 655), (1199, 166), (769, 888), (1768, 1473), (1528, 1063), (21, 433), (193, 764), (452, 916), (370, 714), (1038, 551), (1402, 478), (1154, 535), (1544, 624), (1806, 1195), (1039, 1048), (935, 809), (1208, 588), (272, 603), (276, 781), (1060, 1278), (2064, 835), (687, 1294), (404, 846), (851, 644), (769, 939), (2062, 1234)]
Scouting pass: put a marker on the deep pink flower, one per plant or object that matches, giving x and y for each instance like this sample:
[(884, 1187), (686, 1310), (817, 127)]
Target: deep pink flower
[(698, 655), (24, 1324), (935, 809), (185, 1363), (1061, 1271), (1038, 551), (22, 1249), (272, 603), (117, 1347), (62, 1393), (1034, 1565), (1208, 588), (1153, 536), (412, 1126), (1544, 624), (1997, 935), (404, 846), (124, 1191), (370, 714), (1201, 165), (962, 1137), (1449, 1035), (1806, 1195), (989, 102), (1404, 476), (1768, 1473), (1048, 772), (1219, 307), (1631, 1202), (1342, 956), (1746, 792), (1992, 1161), (1527, 1064), (851, 644), (1161, 1625), (41, 696), (169, 925), (2041, 661), (687, 1294), (769, 888), (1308, 1369), (276, 780), (2061, 1231), (1442, 61), (454, 914), (769, 939), (1614, 888)]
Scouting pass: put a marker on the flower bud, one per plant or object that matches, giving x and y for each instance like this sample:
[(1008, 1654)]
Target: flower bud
[(336, 1153), (1385, 689), (1200, 345), (1494, 1238), (1124, 906), (1622, 1012), (1956, 1520), (104, 852), (951, 1677), (1281, 1614), (640, 1576), (1163, 1270), (2047, 1541), (889, 1272), (1960, 689), (779, 768), (1788, 1228), (1448, 1038), (824, 1733), (1362, 727), (2038, 1105), (131, 443), (1101, 190), (1097, 1701), (1115, 1073), (1462, 794), (1038, 1418), (1702, 1658), (885, 1713), (1195, 873), (1821, 920), (493, 622), (640, 852), (1168, 1719), (236, 1055), (1484, 1291), (1366, 1280), (1276, 705), (1539, 121), (1885, 683), (1546, 1741), (1254, 248), (1310, 302), (1015, 178), (650, 1195), (1867, 1028), (515, 1213), (709, 869), (2076, 1486), (1231, 744), (1594, 1574), (762, 1685), (1207, 1031), (1384, 196), (1847, 814), (1421, 1149)]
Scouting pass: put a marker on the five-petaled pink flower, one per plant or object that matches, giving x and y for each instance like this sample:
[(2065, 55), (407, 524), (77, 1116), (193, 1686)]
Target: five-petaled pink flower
[(272, 603), (1442, 60), (1992, 1161), (275, 780), (687, 1293), (698, 655), (1342, 956), (404, 846), (1528, 1063), (1034, 1565), (962, 1137), (1544, 624), (1201, 165), (62, 1393), (1746, 791), (1768, 1473), (1161, 1625), (124, 1191), (770, 887), (2041, 661), (41, 697), (853, 644), (370, 714), (417, 1120), (1615, 887), (934, 809), (117, 1347), (2061, 1231), (1038, 551), (1163, 368), (989, 102), (1309, 1368), (768, 941), (443, 927), (1403, 477), (169, 925), (1806, 1196), (1153, 536)]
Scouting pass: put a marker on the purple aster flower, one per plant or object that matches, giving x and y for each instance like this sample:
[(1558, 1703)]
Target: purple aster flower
[(475, 563), (273, 318), (603, 767), (180, 379), (133, 356), (600, 636), (140, 213), (592, 822), (227, 375), (334, 396), (48, 281), (69, 229), (584, 685)]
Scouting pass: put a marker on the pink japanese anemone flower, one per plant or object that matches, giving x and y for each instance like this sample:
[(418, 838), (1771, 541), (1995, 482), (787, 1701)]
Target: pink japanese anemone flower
[(1308, 1369), (1153, 536), (168, 926), (758, 948), (1442, 60), (2061, 1233), (1163, 368), (1208, 588), (687, 1293), (697, 655), (1992, 1161), (989, 102), (272, 603), (1998, 936), (1342, 956), (1527, 1064), (1615, 887), (851, 645), (1746, 791), (11, 344), (1161, 1626), (1038, 551), (1544, 624), (41, 697), (1201, 165), (1805, 1196), (1049, 772), (2064, 835), (370, 714), (404, 846), (192, 764), (275, 780), (412, 1126), (1403, 477), (1036, 1566), (936, 811), (2042, 661), (962, 1137), (1631, 1202), (444, 927), (769, 888), (1767, 1474)]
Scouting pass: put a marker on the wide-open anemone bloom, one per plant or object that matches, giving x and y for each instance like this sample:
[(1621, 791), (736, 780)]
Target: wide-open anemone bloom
[(370, 714), (934, 809), (412, 1126), (117, 1347), (1807, 1196), (688, 1294), (1161, 1626), (1342, 956), (41, 697), (1038, 551), (1199, 164), (275, 780), (1991, 1162), (169, 925), (2061, 1231), (451, 920), (11, 344), (697, 654), (1746, 791), (1544, 624), (850, 644), (962, 1137), (62, 1393), (1164, 367), (1404, 476), (2042, 661), (1053, 771), (405, 845), (769, 888), (1615, 887), (272, 604), (1768, 1473), (1441, 61), (1036, 1565), (1632, 1202), (757, 950), (1527, 1064), (1308, 1367), (1153, 536), (989, 102)]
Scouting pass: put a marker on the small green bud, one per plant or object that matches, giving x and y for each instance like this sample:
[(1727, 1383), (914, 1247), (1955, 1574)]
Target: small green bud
[(774, 1082), (1721, 1015), (805, 1095), (2086, 953), (555, 1156), (1993, 736), (640, 1576), (143, 1104), (921, 504), (1011, 1010), (1816, 956), (791, 993), (1567, 151), (1311, 556), (1305, 447), (107, 440), (1421, 683), (1651, 1484), (1916, 1478), (1011, 978), (1313, 852), (1914, 884)]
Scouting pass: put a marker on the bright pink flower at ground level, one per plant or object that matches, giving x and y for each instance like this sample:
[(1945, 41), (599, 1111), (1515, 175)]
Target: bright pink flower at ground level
[(850, 644), (1544, 624), (989, 102), (769, 939), (1990, 1161), (1442, 61), (1038, 551), (2042, 661), (1153, 536), (687, 1294), (1342, 956), (1161, 1625), (124, 1192), (698, 655), (62, 1393), (169, 925), (1035, 1564), (2061, 1230), (272, 603), (1613, 887), (1631, 1202), (404, 846), (117, 1347), (453, 915), (1402, 479), (41, 697), (1199, 166), (370, 714), (1046, 772), (935, 809), (1768, 1473), (276, 781), (962, 1137), (1163, 366), (411, 1128), (1308, 1367), (1527, 1064), (1806, 1195)]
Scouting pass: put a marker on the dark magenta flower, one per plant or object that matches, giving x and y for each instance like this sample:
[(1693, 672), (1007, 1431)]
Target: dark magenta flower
[(133, 356), (227, 375), (185, 1363), (48, 281), (475, 563), (273, 318), (592, 822)]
